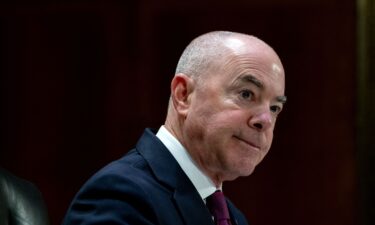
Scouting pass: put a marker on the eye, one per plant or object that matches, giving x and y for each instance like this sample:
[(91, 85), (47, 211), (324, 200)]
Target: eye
[(275, 109), (246, 94)]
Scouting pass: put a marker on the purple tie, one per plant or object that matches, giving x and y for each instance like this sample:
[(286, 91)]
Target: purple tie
[(218, 207)]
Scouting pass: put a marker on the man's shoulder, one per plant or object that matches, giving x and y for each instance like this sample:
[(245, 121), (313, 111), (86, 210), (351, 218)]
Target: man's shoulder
[(132, 162), (130, 169), (129, 175), (125, 188)]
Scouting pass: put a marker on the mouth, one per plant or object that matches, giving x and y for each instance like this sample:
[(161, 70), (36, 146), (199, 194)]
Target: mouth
[(249, 143)]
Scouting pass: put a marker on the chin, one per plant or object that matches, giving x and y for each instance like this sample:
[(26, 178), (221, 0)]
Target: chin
[(247, 172), (249, 167), (239, 167)]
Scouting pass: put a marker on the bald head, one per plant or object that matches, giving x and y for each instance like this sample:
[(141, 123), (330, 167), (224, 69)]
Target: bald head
[(211, 49), (225, 98)]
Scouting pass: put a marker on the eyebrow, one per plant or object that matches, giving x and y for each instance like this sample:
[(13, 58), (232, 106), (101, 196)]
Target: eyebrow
[(281, 99), (251, 79)]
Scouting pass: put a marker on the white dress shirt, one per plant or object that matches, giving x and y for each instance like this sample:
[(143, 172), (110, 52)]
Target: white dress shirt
[(201, 182)]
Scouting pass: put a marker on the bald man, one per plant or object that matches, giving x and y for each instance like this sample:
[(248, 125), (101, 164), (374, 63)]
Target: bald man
[(226, 94)]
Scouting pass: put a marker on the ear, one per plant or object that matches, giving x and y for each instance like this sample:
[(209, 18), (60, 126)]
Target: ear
[(182, 87)]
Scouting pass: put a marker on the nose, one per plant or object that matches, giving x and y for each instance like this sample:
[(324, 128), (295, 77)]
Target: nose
[(262, 120)]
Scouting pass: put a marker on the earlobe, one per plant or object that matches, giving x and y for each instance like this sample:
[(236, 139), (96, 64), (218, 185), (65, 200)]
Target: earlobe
[(181, 89)]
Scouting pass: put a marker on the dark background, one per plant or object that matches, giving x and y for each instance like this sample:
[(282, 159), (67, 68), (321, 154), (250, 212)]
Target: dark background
[(80, 80)]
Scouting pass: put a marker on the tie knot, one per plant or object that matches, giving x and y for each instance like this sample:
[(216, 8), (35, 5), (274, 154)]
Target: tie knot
[(217, 205)]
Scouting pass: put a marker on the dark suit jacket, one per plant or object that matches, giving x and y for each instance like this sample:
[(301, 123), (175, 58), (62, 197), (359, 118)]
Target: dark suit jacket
[(147, 186)]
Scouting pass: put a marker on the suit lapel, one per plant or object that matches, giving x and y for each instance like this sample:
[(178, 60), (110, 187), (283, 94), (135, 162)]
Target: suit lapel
[(192, 208), (232, 214), (166, 169)]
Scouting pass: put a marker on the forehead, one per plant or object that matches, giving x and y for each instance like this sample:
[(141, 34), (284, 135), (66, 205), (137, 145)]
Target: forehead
[(266, 68)]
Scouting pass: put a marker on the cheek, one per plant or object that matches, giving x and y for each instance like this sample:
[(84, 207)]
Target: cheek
[(213, 118), (268, 138), (213, 132), (231, 119), (220, 128)]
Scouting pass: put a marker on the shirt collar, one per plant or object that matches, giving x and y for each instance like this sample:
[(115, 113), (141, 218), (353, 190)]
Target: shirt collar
[(201, 182)]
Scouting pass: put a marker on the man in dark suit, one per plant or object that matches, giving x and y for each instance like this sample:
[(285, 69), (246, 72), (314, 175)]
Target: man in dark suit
[(225, 97)]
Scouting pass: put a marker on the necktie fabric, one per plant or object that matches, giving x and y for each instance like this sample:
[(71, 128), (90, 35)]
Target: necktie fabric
[(218, 207)]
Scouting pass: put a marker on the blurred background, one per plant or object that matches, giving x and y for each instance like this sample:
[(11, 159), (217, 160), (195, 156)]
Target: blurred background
[(80, 80)]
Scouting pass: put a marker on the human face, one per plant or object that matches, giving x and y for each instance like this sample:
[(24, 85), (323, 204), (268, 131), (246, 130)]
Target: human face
[(230, 122)]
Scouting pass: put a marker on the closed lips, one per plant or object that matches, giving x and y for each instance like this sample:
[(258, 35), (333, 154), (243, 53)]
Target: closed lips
[(248, 142)]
